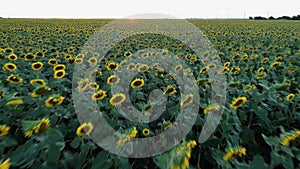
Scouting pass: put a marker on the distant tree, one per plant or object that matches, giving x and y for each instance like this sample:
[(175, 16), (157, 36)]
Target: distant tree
[(285, 18), (260, 18), (296, 17), (271, 18), (250, 18)]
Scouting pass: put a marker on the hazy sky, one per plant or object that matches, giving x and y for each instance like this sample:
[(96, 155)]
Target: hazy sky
[(124, 8)]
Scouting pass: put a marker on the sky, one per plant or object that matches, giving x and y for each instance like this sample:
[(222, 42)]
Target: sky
[(125, 8)]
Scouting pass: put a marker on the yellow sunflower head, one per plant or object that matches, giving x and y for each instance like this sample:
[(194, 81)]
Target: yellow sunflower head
[(37, 65), (12, 57), (137, 83), (14, 79), (112, 80), (9, 67), (4, 130), (99, 95), (117, 99), (238, 102), (170, 90), (146, 132), (52, 62), (112, 66), (84, 129), (59, 74)]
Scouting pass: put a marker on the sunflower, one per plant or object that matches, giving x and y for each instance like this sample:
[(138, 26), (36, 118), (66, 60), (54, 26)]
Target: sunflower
[(131, 66), (80, 56), (212, 66), (227, 64), (93, 86), (137, 83), (224, 69), (52, 62), (169, 125), (128, 54), (254, 57), (290, 97), (42, 126), (14, 79), (211, 108), (96, 73), (112, 80), (92, 61), (12, 57), (245, 57), (4, 130), (14, 102), (146, 132), (117, 99), (275, 64), (203, 70), (262, 76), (155, 66), (68, 56), (71, 49), (127, 137), (38, 81), (83, 84), (40, 90), (264, 60), (84, 129), (193, 59), (40, 54), (235, 56), (8, 50), (249, 88), (145, 55), (101, 94), (5, 164), (260, 70), (143, 68), (29, 56), (292, 69), (234, 70), (291, 137), (169, 90), (54, 101), (9, 67), (59, 67), (78, 60), (37, 65), (240, 151), (178, 68), (112, 66), (238, 102), (59, 74)]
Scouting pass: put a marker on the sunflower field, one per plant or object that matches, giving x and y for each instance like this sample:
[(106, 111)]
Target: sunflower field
[(39, 127)]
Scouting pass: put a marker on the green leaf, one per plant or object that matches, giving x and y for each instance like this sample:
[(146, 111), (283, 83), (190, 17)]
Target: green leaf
[(24, 155), (122, 162), (53, 154), (75, 143), (287, 162), (28, 125), (270, 140), (102, 161), (258, 163)]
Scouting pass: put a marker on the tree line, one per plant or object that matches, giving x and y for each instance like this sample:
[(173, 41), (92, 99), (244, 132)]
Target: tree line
[(272, 18)]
